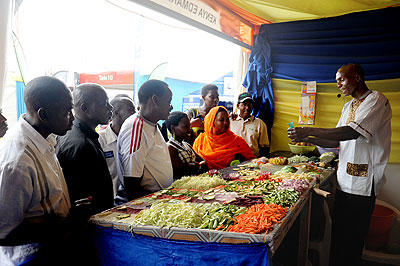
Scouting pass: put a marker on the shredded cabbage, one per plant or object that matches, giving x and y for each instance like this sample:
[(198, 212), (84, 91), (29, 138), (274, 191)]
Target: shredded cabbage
[(188, 215), (198, 182), (180, 214)]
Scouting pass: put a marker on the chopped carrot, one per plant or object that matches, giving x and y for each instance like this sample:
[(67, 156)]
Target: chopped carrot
[(220, 227), (258, 219)]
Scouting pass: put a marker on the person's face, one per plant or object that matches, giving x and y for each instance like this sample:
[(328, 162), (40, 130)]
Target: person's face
[(3, 125), (182, 130), (61, 117), (346, 82), (245, 109), (126, 109), (211, 99), (163, 105), (221, 123), (100, 110)]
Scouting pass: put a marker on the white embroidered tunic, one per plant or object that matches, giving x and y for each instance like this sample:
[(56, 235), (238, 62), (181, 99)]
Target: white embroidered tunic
[(364, 159)]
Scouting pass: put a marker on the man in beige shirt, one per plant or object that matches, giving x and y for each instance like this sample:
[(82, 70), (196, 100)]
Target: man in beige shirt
[(123, 108), (252, 129)]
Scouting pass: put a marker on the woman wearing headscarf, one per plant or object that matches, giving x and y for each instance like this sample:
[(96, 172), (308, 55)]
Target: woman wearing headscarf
[(218, 145)]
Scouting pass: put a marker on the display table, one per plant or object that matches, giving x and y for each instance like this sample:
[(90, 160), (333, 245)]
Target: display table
[(118, 247), (120, 244)]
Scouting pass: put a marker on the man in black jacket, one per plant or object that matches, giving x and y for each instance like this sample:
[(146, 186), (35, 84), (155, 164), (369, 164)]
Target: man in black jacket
[(81, 156), (85, 168)]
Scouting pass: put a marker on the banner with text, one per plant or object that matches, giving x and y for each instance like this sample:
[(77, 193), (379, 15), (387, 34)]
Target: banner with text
[(208, 13), (108, 78)]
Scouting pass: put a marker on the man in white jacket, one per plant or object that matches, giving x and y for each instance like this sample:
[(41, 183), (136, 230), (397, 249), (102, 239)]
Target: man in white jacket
[(34, 199), (363, 134)]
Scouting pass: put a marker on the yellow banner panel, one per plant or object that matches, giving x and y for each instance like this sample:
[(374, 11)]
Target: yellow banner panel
[(289, 10)]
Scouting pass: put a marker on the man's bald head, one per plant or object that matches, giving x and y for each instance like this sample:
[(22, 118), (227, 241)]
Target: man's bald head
[(44, 92), (155, 100), (353, 69), (350, 80), (123, 107), (49, 106), (150, 88), (119, 100), (91, 104), (86, 93)]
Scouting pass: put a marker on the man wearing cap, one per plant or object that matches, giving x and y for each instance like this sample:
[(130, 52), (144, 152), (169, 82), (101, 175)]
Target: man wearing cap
[(252, 129)]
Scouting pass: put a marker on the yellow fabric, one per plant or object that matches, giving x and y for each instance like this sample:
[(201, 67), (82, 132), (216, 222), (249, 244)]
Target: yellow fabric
[(289, 10), (328, 109)]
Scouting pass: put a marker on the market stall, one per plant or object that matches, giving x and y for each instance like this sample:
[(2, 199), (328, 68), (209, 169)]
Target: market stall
[(240, 214)]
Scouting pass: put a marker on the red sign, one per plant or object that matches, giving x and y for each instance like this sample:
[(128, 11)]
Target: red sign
[(109, 78)]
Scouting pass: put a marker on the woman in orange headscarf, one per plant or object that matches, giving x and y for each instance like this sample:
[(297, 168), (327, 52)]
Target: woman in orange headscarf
[(218, 145)]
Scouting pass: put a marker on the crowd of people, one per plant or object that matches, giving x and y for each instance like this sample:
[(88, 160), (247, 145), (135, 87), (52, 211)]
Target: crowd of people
[(57, 169), (50, 186)]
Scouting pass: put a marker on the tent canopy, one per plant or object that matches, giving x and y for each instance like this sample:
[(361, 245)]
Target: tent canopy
[(289, 10), (239, 20)]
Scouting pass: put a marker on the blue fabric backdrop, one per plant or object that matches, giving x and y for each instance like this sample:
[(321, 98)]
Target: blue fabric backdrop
[(313, 50), (121, 248), (258, 80)]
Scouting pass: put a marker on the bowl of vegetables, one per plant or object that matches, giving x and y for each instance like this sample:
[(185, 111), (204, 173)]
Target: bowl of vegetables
[(323, 150), (301, 147)]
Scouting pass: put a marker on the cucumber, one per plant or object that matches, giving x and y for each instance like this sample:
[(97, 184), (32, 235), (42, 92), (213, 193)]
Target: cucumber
[(209, 197)]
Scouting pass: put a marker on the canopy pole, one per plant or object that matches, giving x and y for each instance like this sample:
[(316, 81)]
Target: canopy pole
[(5, 29)]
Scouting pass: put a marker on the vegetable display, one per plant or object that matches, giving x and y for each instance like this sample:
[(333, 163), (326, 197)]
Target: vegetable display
[(299, 185), (303, 175), (298, 159), (248, 172), (189, 215), (326, 157), (278, 160), (201, 182), (178, 214), (286, 198), (241, 200), (247, 201), (219, 217), (287, 169), (248, 187), (258, 219), (180, 194)]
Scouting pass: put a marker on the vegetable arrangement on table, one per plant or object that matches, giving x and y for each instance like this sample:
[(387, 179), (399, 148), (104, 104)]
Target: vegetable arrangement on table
[(247, 201), (258, 219)]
